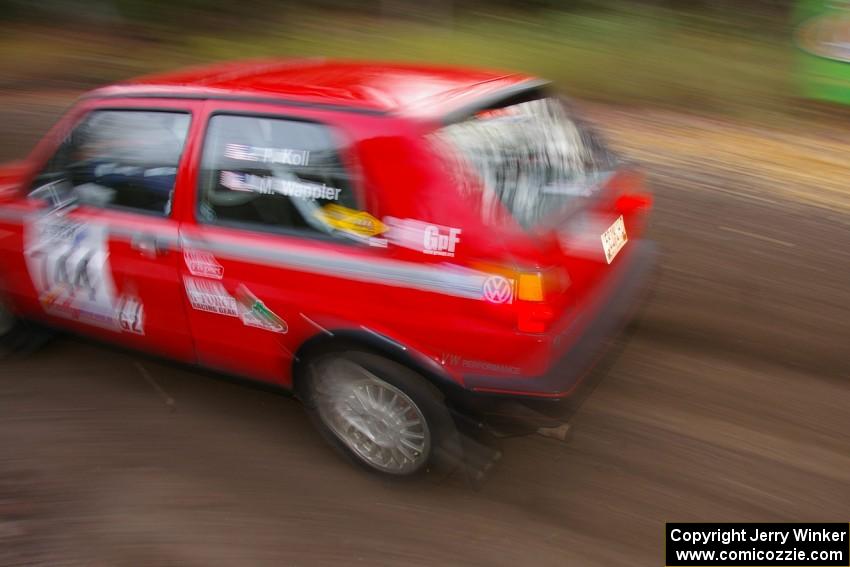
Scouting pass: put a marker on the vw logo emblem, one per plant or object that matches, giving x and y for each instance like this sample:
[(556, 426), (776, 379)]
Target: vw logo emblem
[(498, 290)]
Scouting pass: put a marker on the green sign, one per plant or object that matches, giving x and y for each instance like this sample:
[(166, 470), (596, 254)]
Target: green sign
[(822, 37)]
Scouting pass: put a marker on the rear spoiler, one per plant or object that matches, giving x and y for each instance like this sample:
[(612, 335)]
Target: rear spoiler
[(515, 94)]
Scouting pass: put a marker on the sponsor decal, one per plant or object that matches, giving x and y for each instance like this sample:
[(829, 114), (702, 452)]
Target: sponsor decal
[(283, 156), (432, 239), (450, 359), (202, 263), (131, 315), (251, 318), (254, 313), (270, 185), (491, 366), (440, 241), (457, 360), (68, 262), (210, 296), (498, 289), (350, 221)]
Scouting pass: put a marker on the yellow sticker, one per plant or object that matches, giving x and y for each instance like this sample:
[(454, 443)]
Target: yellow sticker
[(351, 221)]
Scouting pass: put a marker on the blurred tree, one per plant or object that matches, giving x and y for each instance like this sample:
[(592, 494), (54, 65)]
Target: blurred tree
[(225, 13)]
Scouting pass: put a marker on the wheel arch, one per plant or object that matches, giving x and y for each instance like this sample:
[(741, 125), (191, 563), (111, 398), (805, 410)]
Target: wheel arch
[(371, 341)]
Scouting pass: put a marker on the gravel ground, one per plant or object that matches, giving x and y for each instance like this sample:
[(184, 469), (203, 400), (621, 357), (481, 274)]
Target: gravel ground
[(728, 403)]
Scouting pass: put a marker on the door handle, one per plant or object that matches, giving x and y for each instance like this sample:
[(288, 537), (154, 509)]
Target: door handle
[(148, 245)]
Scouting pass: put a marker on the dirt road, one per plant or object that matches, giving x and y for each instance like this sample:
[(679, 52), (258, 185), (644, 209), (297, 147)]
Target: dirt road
[(729, 403)]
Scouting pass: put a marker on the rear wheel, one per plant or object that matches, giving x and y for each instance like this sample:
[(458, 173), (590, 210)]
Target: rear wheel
[(379, 413)]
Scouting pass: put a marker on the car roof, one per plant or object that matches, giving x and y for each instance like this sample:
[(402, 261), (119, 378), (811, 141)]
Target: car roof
[(380, 88)]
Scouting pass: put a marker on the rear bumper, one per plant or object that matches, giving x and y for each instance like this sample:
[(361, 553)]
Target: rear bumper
[(589, 333)]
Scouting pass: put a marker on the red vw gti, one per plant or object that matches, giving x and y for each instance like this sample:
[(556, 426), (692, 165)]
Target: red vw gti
[(380, 239)]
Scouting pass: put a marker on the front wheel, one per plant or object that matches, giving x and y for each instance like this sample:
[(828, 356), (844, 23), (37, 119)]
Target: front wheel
[(16, 336), (8, 322), (10, 330), (381, 414)]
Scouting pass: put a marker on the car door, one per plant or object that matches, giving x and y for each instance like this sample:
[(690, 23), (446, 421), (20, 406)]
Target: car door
[(257, 258), (102, 250)]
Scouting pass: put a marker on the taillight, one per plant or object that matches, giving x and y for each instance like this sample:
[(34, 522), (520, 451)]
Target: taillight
[(534, 313), (530, 287), (634, 206), (535, 294), (631, 202)]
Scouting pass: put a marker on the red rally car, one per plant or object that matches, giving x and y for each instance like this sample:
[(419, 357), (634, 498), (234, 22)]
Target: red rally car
[(377, 238)]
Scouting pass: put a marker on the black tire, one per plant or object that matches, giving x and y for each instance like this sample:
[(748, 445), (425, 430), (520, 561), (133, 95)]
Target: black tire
[(10, 330), (443, 447), (18, 336)]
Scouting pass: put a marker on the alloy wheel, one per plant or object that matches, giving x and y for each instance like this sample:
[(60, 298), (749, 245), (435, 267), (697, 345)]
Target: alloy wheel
[(381, 424)]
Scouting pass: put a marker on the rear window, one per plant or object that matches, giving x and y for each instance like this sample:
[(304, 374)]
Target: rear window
[(535, 158)]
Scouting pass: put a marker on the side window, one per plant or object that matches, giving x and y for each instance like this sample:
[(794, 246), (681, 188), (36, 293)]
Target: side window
[(118, 158), (272, 173)]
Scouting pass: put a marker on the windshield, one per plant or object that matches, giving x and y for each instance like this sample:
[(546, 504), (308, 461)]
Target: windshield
[(534, 158)]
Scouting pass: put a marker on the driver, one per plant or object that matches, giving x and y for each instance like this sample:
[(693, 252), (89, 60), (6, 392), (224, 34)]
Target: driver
[(109, 161)]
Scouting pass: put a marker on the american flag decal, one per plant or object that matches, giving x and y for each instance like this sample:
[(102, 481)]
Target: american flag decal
[(240, 151), (233, 181)]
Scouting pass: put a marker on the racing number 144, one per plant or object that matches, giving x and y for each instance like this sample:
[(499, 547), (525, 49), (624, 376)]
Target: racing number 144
[(69, 266), (74, 275)]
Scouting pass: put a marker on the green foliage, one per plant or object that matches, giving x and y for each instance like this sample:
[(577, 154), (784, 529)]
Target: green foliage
[(648, 56), (639, 53)]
